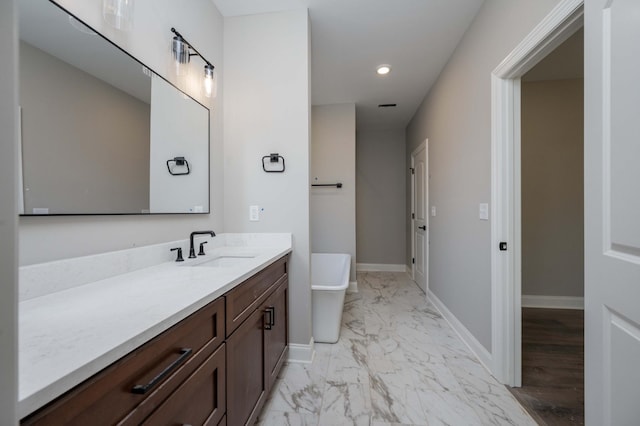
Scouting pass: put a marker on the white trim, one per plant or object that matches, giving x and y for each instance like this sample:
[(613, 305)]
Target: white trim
[(353, 287), (555, 28), (20, 166), (409, 270), (380, 267), (564, 20), (552, 302), (301, 354), (465, 335)]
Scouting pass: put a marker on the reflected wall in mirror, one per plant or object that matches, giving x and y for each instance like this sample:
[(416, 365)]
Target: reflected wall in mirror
[(98, 127)]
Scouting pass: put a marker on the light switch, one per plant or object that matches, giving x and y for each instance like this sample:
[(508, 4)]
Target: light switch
[(254, 213), (484, 211), (433, 210)]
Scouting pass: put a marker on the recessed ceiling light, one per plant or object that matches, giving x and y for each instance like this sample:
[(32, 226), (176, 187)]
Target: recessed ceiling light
[(384, 69)]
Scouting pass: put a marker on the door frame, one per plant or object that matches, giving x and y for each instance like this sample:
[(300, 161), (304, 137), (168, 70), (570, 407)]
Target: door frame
[(506, 266), (424, 144)]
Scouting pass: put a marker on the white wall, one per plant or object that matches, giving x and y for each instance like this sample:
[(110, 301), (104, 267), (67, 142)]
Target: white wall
[(333, 159), (8, 216), (179, 128), (381, 199), (456, 117), (266, 110), (50, 238), (552, 188)]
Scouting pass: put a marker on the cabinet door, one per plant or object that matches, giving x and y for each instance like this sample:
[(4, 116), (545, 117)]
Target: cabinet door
[(246, 386), (276, 332)]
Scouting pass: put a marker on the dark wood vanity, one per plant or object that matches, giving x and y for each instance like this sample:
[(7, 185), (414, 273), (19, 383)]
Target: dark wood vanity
[(215, 367)]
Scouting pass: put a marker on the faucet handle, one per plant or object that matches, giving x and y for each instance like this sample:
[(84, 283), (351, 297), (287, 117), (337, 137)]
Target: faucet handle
[(201, 252), (179, 258)]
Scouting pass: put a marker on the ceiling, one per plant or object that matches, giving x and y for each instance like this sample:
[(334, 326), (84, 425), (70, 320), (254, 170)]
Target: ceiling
[(350, 38)]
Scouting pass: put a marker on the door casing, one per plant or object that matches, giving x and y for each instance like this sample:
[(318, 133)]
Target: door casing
[(506, 271), (424, 145)]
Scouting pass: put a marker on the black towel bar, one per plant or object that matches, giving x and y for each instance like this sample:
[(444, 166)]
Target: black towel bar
[(337, 185)]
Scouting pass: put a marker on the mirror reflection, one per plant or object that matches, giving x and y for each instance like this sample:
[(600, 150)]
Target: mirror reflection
[(100, 132)]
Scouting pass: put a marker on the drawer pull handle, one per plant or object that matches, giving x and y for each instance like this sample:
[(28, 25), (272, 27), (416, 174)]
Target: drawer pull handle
[(271, 317), (142, 389)]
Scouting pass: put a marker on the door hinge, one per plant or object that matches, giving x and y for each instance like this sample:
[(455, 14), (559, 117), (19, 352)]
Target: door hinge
[(413, 215), (413, 260), (413, 171), (502, 246)]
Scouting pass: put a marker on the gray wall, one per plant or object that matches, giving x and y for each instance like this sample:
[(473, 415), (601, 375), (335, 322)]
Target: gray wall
[(76, 160), (381, 197), (456, 117), (50, 238), (552, 188), (333, 159), (267, 109), (8, 216)]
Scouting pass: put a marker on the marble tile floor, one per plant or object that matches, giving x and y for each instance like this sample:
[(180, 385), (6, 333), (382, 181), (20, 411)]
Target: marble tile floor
[(397, 362)]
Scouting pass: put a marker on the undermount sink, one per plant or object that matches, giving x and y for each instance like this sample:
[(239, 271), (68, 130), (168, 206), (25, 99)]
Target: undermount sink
[(224, 261)]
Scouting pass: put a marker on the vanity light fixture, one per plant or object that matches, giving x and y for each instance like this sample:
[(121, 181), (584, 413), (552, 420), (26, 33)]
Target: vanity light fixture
[(383, 69), (183, 51)]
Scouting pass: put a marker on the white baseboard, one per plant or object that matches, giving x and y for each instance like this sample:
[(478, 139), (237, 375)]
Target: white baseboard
[(483, 355), (301, 354), (353, 287), (552, 302), (380, 267)]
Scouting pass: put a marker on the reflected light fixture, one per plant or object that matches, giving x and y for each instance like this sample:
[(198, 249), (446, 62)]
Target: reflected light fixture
[(182, 52), (383, 69), (118, 14)]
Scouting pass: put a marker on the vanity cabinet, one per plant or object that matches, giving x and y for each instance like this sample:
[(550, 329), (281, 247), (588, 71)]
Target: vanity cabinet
[(258, 345), (132, 388), (213, 368)]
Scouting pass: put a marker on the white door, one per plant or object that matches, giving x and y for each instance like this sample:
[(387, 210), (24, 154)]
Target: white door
[(612, 212), (419, 215)]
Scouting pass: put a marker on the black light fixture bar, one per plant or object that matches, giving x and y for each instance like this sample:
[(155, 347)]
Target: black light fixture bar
[(196, 53)]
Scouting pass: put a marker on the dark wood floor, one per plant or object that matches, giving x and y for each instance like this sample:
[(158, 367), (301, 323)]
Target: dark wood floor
[(553, 366)]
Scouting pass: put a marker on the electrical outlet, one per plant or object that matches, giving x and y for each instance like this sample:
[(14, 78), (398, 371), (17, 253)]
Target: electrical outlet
[(433, 210), (254, 213)]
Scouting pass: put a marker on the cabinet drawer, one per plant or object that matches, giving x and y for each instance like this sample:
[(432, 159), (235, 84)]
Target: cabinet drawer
[(107, 398), (244, 299), (200, 400)]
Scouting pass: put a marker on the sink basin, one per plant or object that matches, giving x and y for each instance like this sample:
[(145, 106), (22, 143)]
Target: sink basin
[(224, 261)]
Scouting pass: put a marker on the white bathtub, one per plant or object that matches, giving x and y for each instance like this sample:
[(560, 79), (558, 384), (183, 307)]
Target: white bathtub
[(329, 282)]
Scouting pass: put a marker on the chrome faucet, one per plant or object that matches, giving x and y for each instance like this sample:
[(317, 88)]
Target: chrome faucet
[(192, 251)]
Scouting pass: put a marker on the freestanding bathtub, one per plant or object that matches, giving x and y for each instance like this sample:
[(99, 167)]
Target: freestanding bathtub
[(329, 282)]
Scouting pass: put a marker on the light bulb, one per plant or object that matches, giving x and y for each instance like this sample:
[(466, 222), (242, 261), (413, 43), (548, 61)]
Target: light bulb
[(210, 87)]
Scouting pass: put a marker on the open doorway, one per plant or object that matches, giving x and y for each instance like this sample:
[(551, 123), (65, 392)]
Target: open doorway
[(552, 235)]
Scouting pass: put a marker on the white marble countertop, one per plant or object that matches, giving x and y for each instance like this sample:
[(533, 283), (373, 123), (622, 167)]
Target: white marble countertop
[(67, 336)]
